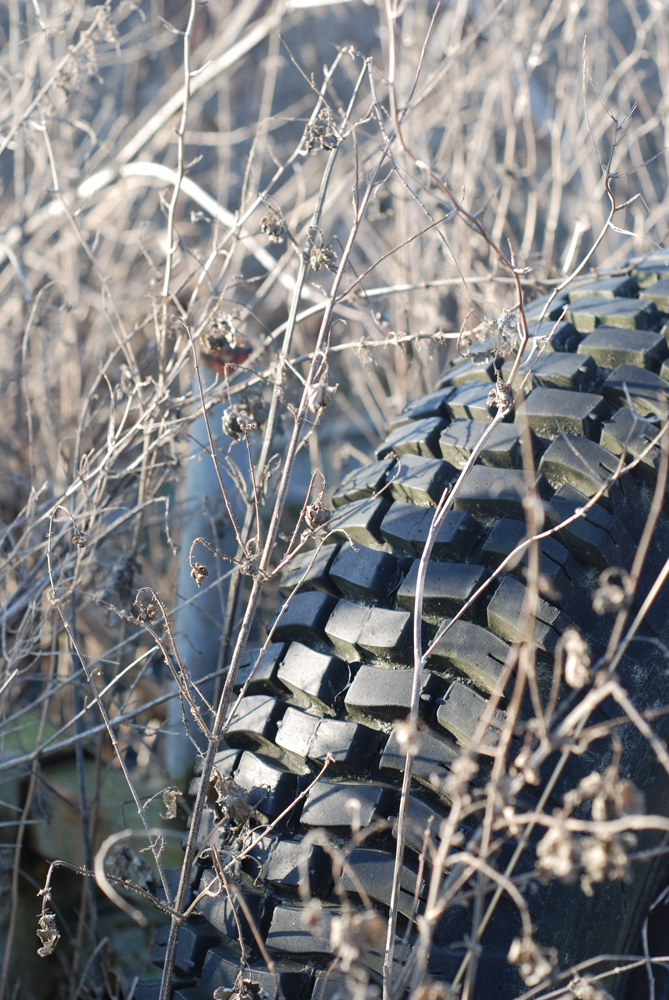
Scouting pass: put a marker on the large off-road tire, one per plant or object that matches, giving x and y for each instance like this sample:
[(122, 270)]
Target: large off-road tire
[(338, 673)]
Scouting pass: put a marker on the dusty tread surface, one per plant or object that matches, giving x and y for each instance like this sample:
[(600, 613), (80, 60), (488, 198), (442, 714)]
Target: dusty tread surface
[(338, 672)]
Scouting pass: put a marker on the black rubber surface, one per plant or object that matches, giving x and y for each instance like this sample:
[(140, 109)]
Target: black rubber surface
[(338, 673)]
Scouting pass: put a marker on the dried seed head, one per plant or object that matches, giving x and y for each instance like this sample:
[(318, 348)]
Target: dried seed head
[(320, 395), (80, 538), (535, 963), (244, 989), (577, 659), (199, 573), (500, 396), (170, 796), (614, 591), (48, 933), (234, 423), (321, 133), (583, 989), (146, 612), (273, 227), (555, 854), (406, 736), (436, 990), (231, 799), (316, 515), (320, 257), (355, 932)]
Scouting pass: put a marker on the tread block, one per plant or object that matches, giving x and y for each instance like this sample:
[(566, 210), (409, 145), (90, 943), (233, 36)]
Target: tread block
[(373, 871), (386, 693), (501, 450), (309, 571), (555, 561), (173, 876), (604, 288), (580, 463), (552, 411), (271, 788), (330, 986), (289, 934), (221, 970), (194, 943), (471, 400), (254, 724), (534, 310), (387, 635), (305, 618), (344, 627), (658, 293), (447, 587), (405, 527), (598, 538), (334, 805), (185, 993), (418, 437), (226, 762), (352, 745), (490, 493), (611, 346), (649, 392), (592, 311), (361, 521), (467, 371), (295, 735), (365, 574), (278, 861), (647, 270), (555, 370), (561, 336), (314, 678), (460, 713), (421, 817), (472, 650), (221, 912), (504, 613), (625, 432), (433, 756), (263, 677), (363, 482), (421, 481), (431, 405)]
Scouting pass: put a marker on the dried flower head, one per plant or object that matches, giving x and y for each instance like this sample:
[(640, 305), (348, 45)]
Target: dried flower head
[(577, 659)]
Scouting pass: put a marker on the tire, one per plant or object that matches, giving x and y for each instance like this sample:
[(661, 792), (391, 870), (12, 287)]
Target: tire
[(338, 672)]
